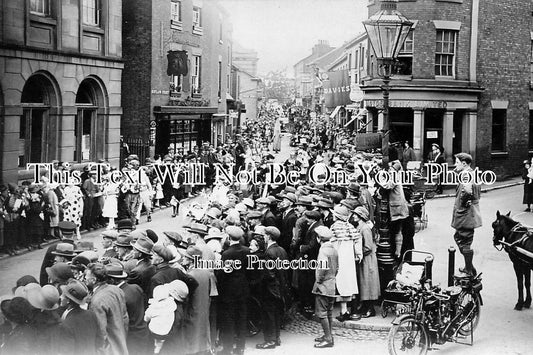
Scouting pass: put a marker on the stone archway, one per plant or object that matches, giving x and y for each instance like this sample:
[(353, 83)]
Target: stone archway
[(40, 102)]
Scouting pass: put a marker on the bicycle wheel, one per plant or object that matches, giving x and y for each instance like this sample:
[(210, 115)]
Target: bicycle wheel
[(469, 302), (408, 337)]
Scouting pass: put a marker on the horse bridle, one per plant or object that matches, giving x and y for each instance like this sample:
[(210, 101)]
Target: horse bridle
[(503, 245)]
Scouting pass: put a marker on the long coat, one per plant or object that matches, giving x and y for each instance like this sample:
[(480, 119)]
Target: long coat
[(48, 261), (325, 277), (195, 336), (464, 216), (166, 274), (109, 304), (528, 188), (141, 274), (397, 203), (275, 283), (287, 224), (82, 326), (50, 199), (367, 269)]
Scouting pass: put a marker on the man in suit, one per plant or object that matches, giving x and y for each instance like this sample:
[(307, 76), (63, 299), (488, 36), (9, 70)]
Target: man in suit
[(81, 326), (268, 218), (142, 272), (324, 286), (108, 238), (309, 250), (274, 286), (324, 206), (288, 219), (109, 304), (234, 289), (166, 274), (466, 215), (138, 333), (67, 230)]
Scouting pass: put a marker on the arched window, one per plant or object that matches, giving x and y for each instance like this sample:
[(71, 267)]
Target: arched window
[(85, 123)]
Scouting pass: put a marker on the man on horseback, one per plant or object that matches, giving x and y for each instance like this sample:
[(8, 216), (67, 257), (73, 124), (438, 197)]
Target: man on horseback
[(466, 215)]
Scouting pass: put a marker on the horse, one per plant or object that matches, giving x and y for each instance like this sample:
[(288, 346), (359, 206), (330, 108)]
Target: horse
[(517, 241)]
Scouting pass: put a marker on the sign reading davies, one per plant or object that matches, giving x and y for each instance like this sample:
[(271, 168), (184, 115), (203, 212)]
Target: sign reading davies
[(337, 88)]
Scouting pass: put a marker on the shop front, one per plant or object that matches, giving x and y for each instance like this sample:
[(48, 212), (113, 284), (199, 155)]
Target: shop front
[(423, 115), (184, 128)]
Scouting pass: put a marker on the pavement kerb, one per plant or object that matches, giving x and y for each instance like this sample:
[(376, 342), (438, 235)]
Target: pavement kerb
[(487, 189), (360, 325)]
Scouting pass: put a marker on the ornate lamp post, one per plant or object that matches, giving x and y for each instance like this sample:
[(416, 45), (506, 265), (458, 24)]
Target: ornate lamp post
[(387, 31)]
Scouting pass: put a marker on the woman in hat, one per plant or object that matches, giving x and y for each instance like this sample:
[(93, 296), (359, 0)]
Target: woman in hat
[(72, 205), (110, 209), (19, 333), (367, 269), (347, 242), (527, 175), (13, 208), (34, 226)]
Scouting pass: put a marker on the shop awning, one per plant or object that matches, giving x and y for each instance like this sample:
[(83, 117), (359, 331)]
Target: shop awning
[(185, 109), (219, 117), (334, 113), (361, 112), (229, 97)]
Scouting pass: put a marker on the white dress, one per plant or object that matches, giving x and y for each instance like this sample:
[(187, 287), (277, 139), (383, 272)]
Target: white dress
[(110, 209)]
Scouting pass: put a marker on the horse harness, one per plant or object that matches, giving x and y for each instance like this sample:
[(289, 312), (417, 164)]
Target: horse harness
[(514, 248)]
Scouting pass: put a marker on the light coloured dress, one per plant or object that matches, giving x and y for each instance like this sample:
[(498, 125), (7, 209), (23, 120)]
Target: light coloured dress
[(110, 209), (72, 204)]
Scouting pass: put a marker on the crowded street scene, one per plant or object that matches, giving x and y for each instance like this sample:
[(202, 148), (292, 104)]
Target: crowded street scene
[(230, 177)]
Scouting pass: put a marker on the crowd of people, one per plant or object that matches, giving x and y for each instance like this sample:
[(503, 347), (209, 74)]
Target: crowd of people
[(147, 292)]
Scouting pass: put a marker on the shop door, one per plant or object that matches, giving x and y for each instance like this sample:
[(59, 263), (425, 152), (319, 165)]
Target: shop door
[(458, 132), (36, 136), (401, 125), (432, 129)]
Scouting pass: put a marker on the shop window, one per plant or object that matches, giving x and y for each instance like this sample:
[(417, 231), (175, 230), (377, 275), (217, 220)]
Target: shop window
[(404, 65), (91, 12), (445, 53), (195, 77), (499, 123), (40, 7)]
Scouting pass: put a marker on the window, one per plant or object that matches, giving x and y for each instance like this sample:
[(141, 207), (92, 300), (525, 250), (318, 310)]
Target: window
[(350, 61), (405, 57), (219, 79), (176, 84), (196, 16), (445, 53), (499, 121), (40, 7), (175, 11), (195, 77), (362, 57), (91, 12)]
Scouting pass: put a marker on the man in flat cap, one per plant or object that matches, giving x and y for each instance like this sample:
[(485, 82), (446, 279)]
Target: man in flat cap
[(108, 238), (288, 219), (234, 290), (268, 218), (67, 230)]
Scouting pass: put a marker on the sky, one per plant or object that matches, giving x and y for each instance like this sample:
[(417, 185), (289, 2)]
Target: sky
[(284, 31)]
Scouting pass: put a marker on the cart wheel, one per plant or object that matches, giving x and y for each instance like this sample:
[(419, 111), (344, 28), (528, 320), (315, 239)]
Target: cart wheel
[(384, 310)]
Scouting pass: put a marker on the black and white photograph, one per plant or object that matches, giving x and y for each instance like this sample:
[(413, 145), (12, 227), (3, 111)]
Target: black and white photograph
[(227, 177)]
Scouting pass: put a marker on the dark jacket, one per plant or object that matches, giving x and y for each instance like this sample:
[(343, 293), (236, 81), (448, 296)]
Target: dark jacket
[(275, 282), (142, 274), (138, 334), (234, 285), (466, 213), (310, 245), (269, 219), (287, 224), (82, 327), (48, 261), (166, 274), (325, 278)]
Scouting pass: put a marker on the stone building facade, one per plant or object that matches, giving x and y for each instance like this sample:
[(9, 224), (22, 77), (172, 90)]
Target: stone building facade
[(60, 83), (169, 112), (464, 81)]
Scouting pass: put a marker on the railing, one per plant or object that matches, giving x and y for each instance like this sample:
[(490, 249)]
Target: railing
[(134, 145)]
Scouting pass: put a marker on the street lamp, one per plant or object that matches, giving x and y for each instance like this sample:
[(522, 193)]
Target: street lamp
[(387, 31)]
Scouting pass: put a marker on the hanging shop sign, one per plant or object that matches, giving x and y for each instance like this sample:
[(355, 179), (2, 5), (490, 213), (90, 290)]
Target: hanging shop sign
[(337, 88), (177, 63)]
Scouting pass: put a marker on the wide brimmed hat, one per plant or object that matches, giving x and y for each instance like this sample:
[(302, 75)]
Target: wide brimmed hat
[(191, 252), (197, 228), (354, 188), (305, 201), (362, 212), (59, 272), (214, 212), (325, 203), (45, 298), (124, 240), (214, 233), (350, 203), (84, 245), (24, 280), (115, 270), (18, 310), (64, 249), (341, 212), (174, 236), (152, 235), (76, 291), (144, 245)]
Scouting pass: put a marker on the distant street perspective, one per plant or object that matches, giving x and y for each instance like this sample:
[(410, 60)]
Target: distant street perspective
[(225, 177)]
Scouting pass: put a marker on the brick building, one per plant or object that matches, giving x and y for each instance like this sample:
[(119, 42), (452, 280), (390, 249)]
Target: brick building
[(464, 81), (167, 112), (247, 90), (60, 73)]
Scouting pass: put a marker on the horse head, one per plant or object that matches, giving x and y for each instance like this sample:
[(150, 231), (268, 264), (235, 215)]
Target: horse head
[(502, 227)]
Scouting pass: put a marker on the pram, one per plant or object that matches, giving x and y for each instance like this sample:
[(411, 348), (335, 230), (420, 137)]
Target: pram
[(411, 272)]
